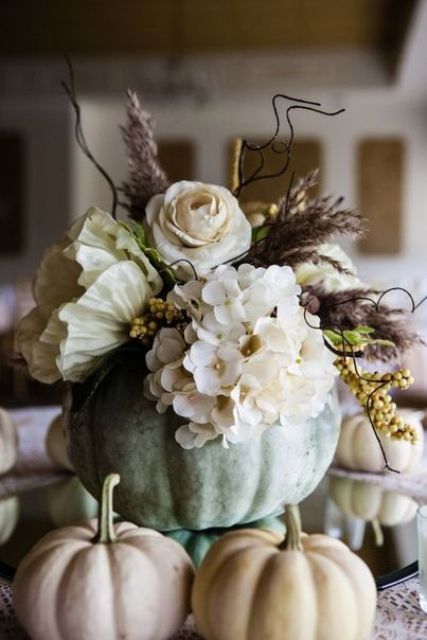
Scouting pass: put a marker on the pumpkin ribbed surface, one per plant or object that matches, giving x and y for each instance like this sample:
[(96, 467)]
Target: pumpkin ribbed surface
[(322, 592), (69, 588), (115, 428)]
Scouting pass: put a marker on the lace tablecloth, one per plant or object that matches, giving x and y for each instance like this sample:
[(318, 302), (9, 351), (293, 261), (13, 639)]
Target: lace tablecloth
[(399, 616)]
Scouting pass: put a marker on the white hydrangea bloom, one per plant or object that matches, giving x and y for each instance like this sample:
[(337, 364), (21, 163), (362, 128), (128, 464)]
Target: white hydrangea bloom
[(249, 359), (214, 367), (167, 347), (195, 435)]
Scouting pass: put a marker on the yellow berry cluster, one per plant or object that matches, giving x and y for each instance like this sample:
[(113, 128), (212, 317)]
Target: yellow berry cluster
[(372, 392), (158, 314)]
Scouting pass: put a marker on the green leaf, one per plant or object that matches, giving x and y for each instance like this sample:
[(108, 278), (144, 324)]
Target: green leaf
[(363, 329), (357, 338), (259, 233), (137, 231)]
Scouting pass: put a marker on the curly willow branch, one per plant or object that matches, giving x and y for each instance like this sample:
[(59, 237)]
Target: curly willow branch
[(274, 144)]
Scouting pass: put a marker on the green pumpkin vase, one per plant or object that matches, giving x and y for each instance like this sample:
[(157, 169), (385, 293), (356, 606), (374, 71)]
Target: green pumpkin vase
[(113, 427)]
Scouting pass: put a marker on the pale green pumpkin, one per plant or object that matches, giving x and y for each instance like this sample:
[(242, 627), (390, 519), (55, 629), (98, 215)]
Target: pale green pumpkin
[(198, 543), (69, 503), (113, 427)]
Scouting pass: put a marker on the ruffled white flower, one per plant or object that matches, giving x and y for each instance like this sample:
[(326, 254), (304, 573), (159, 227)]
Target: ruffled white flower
[(40, 354), (200, 223), (325, 274), (97, 242), (98, 322), (249, 357), (88, 288)]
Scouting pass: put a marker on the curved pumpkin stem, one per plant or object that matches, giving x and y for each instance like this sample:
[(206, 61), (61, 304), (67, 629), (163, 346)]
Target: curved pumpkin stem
[(106, 534), (293, 529), (378, 532)]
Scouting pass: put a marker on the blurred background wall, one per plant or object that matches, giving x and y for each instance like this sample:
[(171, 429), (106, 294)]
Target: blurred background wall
[(207, 70)]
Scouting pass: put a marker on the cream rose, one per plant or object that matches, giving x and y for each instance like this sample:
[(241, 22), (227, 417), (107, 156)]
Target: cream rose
[(201, 223)]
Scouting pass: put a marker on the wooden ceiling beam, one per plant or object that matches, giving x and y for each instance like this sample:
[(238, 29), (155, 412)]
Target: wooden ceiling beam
[(110, 27)]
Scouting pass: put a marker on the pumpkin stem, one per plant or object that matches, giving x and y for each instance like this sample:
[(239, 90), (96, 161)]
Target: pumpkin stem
[(293, 529), (106, 534), (378, 532)]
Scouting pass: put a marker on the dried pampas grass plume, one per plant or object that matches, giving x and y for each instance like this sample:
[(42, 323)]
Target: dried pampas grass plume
[(358, 307), (301, 226), (146, 176)]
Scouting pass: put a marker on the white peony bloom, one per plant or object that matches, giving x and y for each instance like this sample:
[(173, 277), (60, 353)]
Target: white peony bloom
[(97, 242), (325, 274), (40, 354), (57, 278), (98, 322), (84, 302), (200, 223)]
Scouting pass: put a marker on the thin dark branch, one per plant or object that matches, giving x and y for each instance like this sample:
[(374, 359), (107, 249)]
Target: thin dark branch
[(70, 90), (279, 147)]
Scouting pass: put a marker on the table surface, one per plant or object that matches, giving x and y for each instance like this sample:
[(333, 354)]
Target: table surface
[(35, 478)]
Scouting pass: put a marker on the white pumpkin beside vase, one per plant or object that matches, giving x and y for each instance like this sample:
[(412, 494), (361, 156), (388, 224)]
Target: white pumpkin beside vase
[(9, 515), (103, 580), (252, 585), (358, 448), (8, 442)]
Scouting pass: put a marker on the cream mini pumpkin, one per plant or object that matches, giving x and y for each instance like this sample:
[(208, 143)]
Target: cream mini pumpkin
[(56, 445), (9, 514), (8, 442), (251, 586), (358, 448), (370, 502), (100, 580)]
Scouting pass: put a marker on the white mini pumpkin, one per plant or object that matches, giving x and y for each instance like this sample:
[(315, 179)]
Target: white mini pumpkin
[(9, 515), (56, 445), (358, 448), (251, 586), (371, 503), (103, 581), (8, 442)]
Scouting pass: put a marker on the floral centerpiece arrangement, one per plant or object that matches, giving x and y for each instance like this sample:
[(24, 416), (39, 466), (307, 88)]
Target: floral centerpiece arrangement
[(202, 339)]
